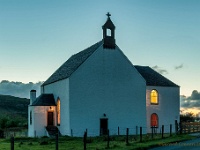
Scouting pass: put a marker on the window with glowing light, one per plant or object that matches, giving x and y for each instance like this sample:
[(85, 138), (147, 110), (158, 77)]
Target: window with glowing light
[(58, 111), (154, 97), (154, 120)]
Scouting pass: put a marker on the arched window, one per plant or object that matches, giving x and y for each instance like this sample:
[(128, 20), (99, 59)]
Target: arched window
[(154, 120), (58, 111), (154, 97)]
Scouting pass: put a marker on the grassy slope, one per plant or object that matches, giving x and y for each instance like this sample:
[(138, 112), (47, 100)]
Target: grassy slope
[(11, 106)]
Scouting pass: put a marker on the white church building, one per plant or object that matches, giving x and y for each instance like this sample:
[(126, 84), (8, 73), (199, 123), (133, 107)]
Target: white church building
[(99, 89)]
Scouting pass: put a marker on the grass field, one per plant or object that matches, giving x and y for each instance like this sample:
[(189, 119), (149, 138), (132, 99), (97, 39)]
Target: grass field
[(95, 143)]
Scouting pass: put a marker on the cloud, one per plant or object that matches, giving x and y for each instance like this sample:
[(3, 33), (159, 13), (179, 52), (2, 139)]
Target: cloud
[(191, 101), (178, 67), (158, 69), (194, 96), (18, 89)]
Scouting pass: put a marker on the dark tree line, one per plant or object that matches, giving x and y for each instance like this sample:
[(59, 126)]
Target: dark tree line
[(189, 117)]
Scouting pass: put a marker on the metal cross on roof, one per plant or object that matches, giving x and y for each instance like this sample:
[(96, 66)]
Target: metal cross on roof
[(108, 14)]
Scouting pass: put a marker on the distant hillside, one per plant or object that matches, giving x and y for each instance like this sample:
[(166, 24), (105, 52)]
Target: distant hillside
[(14, 107)]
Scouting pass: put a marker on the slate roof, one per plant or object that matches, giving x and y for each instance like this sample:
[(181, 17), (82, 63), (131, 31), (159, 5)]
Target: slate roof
[(72, 64), (153, 78), (44, 100)]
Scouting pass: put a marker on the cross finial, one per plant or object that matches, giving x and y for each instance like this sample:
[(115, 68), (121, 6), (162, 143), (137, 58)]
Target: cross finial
[(108, 14)]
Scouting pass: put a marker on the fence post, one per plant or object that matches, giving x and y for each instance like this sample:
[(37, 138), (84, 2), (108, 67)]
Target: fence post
[(162, 131), (176, 127), (56, 141), (136, 132), (170, 134), (152, 132), (189, 129), (108, 141), (12, 141), (140, 134), (118, 130), (180, 127), (35, 133), (71, 132), (127, 133), (85, 140)]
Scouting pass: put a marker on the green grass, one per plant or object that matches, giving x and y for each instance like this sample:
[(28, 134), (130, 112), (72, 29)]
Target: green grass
[(95, 143)]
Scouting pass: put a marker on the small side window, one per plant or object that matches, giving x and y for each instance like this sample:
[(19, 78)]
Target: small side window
[(30, 117)]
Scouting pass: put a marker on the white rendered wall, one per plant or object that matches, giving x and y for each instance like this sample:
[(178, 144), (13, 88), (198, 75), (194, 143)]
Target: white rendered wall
[(61, 89), (168, 108), (107, 83), (30, 126)]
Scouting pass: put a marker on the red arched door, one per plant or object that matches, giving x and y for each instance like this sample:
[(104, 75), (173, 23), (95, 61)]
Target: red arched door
[(154, 120)]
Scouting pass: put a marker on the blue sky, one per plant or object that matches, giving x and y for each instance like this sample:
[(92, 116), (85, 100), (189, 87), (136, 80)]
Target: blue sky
[(37, 36)]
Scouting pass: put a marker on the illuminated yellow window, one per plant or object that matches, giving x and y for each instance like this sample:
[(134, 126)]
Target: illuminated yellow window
[(154, 97), (58, 112)]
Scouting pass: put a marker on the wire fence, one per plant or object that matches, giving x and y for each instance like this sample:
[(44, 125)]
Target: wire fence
[(128, 136), (167, 128)]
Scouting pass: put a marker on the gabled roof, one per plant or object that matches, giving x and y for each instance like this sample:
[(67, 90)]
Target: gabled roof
[(153, 78), (72, 64), (44, 100)]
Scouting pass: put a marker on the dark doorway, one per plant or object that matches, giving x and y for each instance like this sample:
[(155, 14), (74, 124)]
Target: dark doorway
[(103, 126), (50, 119)]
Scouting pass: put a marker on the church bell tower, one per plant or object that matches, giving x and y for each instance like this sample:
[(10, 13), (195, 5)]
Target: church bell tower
[(109, 33)]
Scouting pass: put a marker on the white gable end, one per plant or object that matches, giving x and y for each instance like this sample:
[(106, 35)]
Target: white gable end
[(107, 83)]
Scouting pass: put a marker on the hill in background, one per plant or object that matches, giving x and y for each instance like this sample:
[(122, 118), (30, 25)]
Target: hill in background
[(14, 108)]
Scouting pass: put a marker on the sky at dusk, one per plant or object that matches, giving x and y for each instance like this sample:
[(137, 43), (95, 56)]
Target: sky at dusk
[(37, 36)]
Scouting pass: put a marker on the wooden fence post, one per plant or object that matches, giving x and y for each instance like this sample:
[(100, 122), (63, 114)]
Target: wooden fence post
[(71, 132), (180, 127), (118, 130), (170, 134), (189, 130), (162, 131), (176, 126), (85, 140), (127, 133), (35, 133), (56, 141), (12, 142), (140, 134), (136, 132), (108, 141)]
